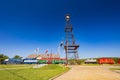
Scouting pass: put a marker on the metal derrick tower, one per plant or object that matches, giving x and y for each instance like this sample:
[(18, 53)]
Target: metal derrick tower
[(70, 46)]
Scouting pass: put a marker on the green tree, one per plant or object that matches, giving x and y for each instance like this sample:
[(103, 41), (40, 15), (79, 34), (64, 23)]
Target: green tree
[(116, 59), (74, 62), (3, 57), (17, 56)]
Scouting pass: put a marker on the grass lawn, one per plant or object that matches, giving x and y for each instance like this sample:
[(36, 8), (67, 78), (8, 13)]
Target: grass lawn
[(43, 73), (114, 68), (101, 64), (15, 66)]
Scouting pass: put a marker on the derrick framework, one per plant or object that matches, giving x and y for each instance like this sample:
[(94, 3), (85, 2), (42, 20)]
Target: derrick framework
[(71, 49)]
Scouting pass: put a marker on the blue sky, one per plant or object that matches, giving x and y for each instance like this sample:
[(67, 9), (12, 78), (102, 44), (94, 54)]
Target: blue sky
[(29, 24)]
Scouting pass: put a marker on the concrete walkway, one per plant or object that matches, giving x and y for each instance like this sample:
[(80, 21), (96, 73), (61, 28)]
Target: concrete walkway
[(90, 73)]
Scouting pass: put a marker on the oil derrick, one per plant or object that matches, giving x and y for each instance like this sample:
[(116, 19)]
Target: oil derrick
[(70, 46)]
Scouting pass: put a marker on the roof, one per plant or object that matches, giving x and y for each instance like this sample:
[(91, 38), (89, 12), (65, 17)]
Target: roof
[(32, 56), (44, 55)]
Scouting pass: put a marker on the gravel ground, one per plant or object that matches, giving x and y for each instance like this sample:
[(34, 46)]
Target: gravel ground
[(90, 73)]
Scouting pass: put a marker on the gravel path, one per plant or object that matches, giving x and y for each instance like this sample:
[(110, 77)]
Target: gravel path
[(90, 73)]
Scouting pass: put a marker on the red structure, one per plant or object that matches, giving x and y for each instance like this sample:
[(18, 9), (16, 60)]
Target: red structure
[(106, 61), (119, 61)]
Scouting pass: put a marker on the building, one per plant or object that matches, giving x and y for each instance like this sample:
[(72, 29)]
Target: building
[(44, 59), (13, 61), (89, 61)]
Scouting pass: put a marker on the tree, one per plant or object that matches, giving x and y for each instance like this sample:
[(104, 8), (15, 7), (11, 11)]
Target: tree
[(3, 57), (74, 62), (17, 56)]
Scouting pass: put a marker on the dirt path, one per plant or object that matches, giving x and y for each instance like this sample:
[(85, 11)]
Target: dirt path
[(90, 73)]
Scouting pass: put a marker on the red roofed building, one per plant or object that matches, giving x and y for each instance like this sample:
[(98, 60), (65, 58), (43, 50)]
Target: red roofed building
[(48, 58)]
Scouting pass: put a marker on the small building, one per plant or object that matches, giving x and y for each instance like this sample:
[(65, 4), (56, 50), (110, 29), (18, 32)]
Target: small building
[(91, 61), (5, 61), (13, 61)]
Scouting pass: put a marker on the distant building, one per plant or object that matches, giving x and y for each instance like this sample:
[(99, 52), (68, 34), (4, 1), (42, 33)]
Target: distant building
[(13, 61), (30, 61), (44, 59), (89, 61)]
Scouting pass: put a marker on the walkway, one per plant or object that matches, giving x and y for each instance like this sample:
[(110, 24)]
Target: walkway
[(90, 73)]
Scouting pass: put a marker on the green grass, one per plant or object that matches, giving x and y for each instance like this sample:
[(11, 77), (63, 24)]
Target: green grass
[(116, 64), (43, 73), (101, 64), (114, 68), (16, 66)]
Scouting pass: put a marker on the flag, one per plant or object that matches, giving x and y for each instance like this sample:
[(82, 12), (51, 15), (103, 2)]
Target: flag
[(36, 50), (46, 51), (51, 55), (61, 44)]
